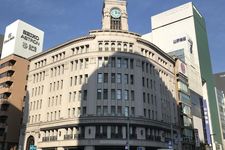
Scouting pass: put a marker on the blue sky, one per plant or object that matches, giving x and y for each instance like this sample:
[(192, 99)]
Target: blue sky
[(62, 20)]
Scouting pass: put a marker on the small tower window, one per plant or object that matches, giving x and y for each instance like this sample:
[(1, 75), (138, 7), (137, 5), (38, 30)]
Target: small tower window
[(115, 21)]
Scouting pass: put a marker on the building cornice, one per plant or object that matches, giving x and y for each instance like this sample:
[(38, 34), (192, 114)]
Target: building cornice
[(89, 37), (161, 52), (115, 31)]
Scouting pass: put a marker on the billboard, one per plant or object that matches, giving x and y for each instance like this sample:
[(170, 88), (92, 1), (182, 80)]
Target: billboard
[(22, 39)]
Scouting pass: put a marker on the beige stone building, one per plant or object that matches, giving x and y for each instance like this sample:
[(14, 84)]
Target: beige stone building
[(92, 92), (13, 73)]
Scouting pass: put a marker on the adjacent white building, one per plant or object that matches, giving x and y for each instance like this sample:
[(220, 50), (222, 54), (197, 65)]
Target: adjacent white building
[(181, 31)]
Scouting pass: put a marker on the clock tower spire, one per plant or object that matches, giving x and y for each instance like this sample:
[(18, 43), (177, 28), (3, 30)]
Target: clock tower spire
[(114, 15)]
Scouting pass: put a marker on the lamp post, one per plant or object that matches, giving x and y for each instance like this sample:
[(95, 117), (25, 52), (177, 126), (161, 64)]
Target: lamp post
[(211, 136)]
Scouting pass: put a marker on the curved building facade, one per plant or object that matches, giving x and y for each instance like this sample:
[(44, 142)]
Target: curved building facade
[(92, 92)]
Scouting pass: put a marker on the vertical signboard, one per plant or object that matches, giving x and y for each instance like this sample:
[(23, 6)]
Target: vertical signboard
[(206, 122), (22, 39)]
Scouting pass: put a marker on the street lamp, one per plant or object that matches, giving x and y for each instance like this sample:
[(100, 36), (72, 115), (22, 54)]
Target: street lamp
[(211, 136)]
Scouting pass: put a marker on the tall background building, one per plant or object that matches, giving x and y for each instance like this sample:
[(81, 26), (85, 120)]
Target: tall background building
[(219, 90), (21, 41), (220, 81), (181, 31)]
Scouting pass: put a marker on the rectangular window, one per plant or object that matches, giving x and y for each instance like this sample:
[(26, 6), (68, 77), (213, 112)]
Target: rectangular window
[(71, 65), (144, 97), (79, 95), (148, 97), (78, 111), (106, 61), (125, 63), (86, 78), (143, 66), (118, 78), (69, 113), (113, 62), (74, 96), (125, 95), (113, 78), (86, 63), (118, 94), (99, 94), (105, 110), (147, 67), (75, 80), (133, 111), (126, 111), (113, 94), (100, 78), (74, 111), (85, 95), (113, 110), (61, 84), (81, 79), (147, 83), (99, 112), (76, 64), (125, 80), (100, 62), (84, 111), (132, 95), (81, 63), (119, 110), (131, 79), (118, 63), (131, 64), (105, 94), (105, 77), (70, 94)]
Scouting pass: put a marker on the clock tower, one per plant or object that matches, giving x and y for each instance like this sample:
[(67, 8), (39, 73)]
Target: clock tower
[(114, 15)]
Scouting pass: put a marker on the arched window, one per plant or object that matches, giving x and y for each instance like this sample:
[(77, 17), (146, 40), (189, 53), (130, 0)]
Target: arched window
[(119, 46), (30, 141), (113, 47), (125, 47), (100, 46), (106, 46)]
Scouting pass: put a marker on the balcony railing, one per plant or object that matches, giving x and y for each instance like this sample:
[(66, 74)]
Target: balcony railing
[(53, 138), (45, 139), (101, 136), (49, 138), (116, 136), (68, 137)]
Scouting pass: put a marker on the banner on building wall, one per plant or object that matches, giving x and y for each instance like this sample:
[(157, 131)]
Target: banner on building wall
[(22, 39)]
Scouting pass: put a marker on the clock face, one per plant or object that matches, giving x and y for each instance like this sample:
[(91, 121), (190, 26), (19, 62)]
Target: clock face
[(115, 13)]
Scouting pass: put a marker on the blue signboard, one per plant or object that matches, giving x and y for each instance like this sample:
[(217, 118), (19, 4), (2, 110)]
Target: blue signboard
[(33, 147)]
